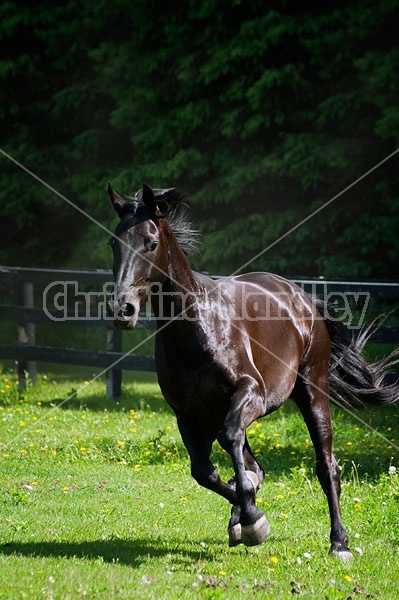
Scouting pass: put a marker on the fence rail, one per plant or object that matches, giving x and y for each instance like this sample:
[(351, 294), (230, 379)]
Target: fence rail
[(27, 284)]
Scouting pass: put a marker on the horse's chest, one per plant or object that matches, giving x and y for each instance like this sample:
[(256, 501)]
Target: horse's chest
[(201, 389)]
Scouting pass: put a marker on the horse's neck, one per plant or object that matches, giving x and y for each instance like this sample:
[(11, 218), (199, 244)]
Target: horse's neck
[(180, 287)]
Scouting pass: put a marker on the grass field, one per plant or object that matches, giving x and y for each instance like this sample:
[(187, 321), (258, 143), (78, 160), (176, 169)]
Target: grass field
[(97, 501)]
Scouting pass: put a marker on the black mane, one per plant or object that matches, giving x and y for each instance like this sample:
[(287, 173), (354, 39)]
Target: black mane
[(172, 207)]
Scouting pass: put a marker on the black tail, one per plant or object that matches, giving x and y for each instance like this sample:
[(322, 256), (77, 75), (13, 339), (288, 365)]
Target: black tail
[(353, 380)]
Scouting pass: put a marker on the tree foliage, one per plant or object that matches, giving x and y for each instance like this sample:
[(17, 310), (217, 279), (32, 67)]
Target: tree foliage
[(262, 112)]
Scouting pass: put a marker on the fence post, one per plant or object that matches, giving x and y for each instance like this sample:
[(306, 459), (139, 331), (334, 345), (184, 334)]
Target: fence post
[(27, 336), (114, 376)]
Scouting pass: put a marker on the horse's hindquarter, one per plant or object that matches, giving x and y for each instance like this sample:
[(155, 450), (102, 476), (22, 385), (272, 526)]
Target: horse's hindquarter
[(278, 318)]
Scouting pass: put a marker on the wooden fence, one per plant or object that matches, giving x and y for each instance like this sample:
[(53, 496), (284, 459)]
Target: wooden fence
[(27, 285)]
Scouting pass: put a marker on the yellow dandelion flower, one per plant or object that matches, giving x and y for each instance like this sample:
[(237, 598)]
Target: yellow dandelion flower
[(274, 560), (222, 573), (22, 423), (348, 578)]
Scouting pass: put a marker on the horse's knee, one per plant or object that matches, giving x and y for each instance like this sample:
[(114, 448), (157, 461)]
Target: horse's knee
[(204, 476)]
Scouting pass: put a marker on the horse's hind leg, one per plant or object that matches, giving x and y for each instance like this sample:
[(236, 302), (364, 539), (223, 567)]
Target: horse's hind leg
[(312, 400)]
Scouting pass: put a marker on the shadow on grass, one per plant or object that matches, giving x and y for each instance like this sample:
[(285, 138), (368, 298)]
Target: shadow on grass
[(126, 552)]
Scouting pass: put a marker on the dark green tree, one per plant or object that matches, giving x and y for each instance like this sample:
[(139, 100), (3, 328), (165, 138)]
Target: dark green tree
[(263, 113)]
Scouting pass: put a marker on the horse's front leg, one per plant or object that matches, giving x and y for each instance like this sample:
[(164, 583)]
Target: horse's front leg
[(244, 409), (256, 474), (251, 464), (199, 447)]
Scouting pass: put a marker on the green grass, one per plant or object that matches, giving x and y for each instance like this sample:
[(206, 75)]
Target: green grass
[(97, 501)]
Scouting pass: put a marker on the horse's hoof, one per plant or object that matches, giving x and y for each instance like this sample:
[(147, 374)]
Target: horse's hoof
[(253, 478), (256, 533), (235, 535), (344, 554)]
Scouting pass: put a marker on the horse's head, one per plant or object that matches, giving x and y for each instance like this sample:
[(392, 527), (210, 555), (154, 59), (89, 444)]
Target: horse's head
[(140, 249)]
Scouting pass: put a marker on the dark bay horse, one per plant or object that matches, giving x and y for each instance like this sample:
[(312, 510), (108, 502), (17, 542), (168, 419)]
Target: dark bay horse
[(231, 351)]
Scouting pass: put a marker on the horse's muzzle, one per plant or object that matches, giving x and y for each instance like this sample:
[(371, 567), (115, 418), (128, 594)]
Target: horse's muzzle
[(125, 316)]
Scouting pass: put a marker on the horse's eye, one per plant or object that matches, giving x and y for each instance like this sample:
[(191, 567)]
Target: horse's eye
[(152, 246)]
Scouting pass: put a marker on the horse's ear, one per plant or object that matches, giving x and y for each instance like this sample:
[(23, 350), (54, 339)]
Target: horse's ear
[(149, 199), (116, 200)]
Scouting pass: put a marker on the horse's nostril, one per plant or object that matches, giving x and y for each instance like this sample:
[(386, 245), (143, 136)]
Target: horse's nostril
[(129, 310)]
